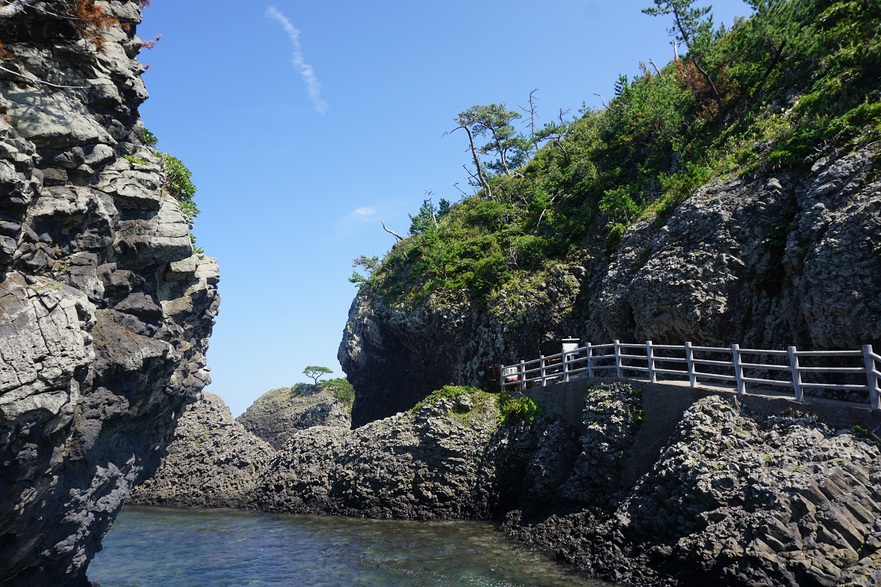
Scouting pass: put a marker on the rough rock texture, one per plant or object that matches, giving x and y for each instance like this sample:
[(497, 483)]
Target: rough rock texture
[(105, 310), (212, 462), (279, 414), (733, 499), (448, 459), (792, 258)]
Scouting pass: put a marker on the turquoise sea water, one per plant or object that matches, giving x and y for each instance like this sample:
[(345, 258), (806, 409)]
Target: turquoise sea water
[(177, 548)]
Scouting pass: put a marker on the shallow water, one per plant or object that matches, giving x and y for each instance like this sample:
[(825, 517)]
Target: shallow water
[(178, 548)]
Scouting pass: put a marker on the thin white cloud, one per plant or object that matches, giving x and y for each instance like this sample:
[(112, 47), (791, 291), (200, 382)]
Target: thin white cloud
[(313, 86), (352, 223), (362, 215)]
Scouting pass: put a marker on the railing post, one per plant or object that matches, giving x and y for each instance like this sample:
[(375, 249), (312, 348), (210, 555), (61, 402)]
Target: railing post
[(502, 378), (796, 374), (565, 366), (650, 360), (618, 359), (869, 361), (738, 368), (522, 375), (541, 371), (589, 351), (689, 365)]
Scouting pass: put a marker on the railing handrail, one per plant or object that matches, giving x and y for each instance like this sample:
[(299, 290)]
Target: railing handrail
[(587, 359)]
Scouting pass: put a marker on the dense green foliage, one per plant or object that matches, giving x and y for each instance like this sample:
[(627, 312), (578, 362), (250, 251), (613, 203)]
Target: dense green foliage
[(518, 409), (341, 389), (179, 183), (794, 81), (512, 410), (446, 392)]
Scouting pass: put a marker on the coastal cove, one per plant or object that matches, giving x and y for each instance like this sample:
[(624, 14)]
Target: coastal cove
[(638, 345), (181, 548)]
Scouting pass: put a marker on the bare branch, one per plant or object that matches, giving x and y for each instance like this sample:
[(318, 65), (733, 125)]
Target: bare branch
[(563, 114), (391, 232), (430, 195), (655, 66), (480, 176), (531, 111), (603, 100)]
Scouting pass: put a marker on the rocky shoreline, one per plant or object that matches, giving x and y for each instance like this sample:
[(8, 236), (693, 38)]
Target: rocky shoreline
[(733, 497)]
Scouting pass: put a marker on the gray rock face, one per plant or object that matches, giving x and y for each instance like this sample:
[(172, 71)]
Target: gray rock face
[(741, 499), (278, 414), (212, 462), (446, 460), (732, 498), (105, 310), (766, 263)]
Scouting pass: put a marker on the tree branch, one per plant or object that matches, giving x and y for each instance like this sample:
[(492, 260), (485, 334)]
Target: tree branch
[(480, 176), (391, 232)]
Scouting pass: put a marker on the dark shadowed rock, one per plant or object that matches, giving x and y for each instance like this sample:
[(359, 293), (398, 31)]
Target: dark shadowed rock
[(733, 498)]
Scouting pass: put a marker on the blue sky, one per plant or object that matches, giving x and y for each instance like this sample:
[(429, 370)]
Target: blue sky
[(307, 123)]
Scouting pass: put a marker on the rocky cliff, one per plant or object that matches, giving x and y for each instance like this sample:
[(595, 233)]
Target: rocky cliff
[(106, 308), (446, 459), (734, 498), (731, 498), (278, 414), (789, 257), (212, 462)]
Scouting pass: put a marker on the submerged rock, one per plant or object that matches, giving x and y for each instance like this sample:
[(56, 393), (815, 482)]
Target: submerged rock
[(212, 462)]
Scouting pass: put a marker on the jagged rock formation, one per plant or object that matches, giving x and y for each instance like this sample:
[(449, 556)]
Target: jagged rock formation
[(213, 462), (733, 499), (105, 309), (448, 459), (788, 258), (278, 414)]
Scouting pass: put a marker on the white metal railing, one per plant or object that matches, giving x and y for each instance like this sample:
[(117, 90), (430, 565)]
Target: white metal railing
[(850, 371)]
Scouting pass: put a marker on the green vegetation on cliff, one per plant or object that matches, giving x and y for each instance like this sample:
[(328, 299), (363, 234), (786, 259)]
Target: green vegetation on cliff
[(792, 82)]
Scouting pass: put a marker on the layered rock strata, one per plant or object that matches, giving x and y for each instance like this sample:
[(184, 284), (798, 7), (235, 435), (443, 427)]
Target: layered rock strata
[(278, 414), (105, 308), (782, 259), (212, 462)]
